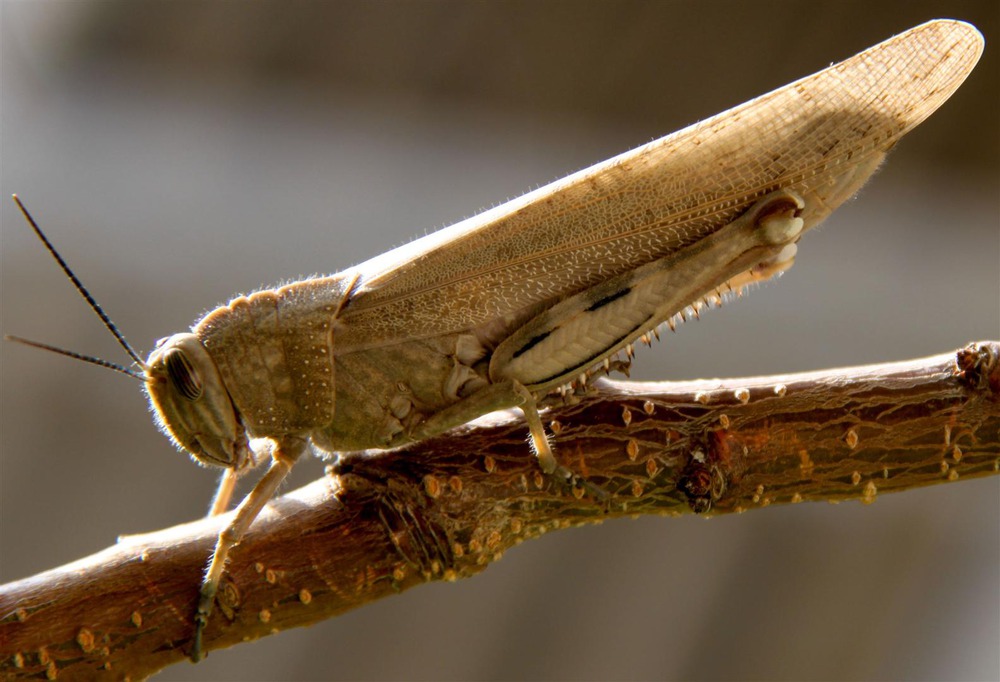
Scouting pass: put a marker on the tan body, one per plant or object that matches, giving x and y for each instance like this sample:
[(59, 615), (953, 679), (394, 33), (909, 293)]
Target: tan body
[(505, 307), (365, 358), (282, 357)]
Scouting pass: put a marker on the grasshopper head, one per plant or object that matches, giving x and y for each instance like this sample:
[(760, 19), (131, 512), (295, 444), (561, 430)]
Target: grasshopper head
[(192, 404)]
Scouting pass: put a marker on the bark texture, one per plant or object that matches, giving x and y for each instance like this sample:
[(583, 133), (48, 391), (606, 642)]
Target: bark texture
[(446, 508)]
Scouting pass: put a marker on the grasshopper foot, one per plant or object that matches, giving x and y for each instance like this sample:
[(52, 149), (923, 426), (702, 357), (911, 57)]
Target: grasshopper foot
[(567, 478), (563, 476), (200, 621)]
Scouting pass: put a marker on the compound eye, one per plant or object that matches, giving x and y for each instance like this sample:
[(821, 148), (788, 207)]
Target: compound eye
[(182, 375)]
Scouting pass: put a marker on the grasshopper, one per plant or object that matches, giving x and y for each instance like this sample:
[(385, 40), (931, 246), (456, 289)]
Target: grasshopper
[(535, 295)]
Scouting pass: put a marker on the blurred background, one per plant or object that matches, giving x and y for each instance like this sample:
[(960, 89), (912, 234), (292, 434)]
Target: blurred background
[(180, 153)]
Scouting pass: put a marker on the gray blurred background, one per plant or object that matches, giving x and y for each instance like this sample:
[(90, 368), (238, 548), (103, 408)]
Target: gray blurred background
[(179, 153)]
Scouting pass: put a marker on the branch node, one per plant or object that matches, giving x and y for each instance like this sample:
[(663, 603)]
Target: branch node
[(979, 368)]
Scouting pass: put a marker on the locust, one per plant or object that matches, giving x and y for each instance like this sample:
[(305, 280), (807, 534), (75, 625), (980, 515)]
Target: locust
[(535, 295)]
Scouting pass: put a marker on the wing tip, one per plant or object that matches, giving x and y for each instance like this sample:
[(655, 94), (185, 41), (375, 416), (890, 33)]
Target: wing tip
[(964, 36), (918, 70)]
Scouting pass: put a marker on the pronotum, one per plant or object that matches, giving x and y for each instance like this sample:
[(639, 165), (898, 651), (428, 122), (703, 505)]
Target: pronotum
[(534, 295)]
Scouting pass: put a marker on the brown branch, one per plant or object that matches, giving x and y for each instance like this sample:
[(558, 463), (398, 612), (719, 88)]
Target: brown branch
[(446, 508)]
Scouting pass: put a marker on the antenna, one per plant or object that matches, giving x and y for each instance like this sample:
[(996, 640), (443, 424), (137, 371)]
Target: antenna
[(94, 305), (77, 356)]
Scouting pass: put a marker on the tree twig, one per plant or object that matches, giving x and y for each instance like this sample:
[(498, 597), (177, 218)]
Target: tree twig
[(445, 508)]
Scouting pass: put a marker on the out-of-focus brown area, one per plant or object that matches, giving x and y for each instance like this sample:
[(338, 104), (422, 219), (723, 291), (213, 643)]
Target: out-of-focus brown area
[(605, 61), (179, 153)]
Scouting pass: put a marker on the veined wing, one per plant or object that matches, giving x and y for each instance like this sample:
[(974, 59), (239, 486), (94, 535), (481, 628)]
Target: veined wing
[(821, 137)]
